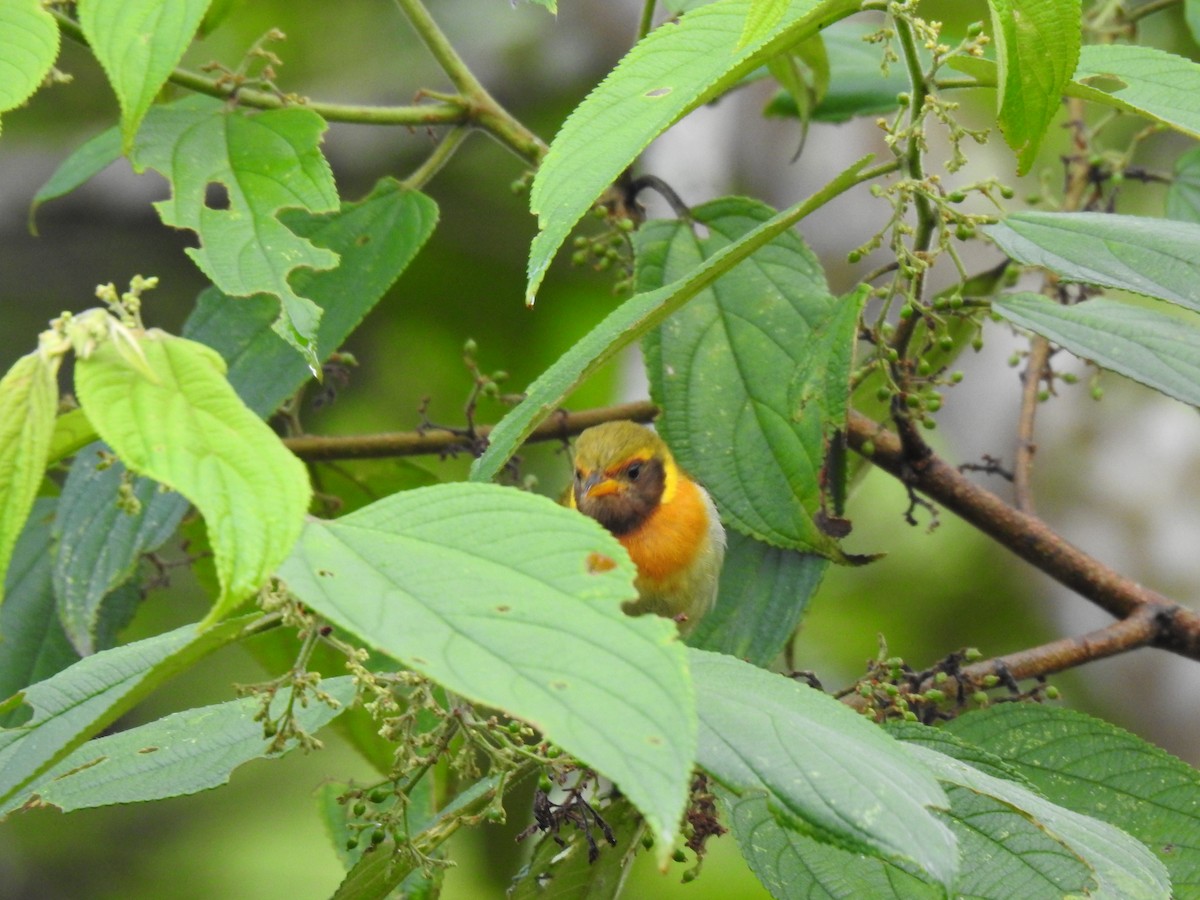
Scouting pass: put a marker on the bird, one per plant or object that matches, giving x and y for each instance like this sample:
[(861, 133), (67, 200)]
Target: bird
[(628, 481)]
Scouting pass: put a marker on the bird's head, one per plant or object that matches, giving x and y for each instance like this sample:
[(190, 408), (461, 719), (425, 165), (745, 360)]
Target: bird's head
[(622, 473)]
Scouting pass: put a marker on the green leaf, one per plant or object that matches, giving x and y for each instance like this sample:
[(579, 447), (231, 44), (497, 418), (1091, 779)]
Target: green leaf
[(857, 86), (33, 645), (1122, 867), (89, 159), (100, 542), (71, 706), (1161, 351), (28, 403), (187, 429), (1155, 257), (1100, 770), (138, 43), (1142, 80), (794, 866), (184, 753), (764, 593), (558, 873), (1037, 47), (753, 375), (497, 594), (28, 47), (761, 20), (376, 238), (1183, 196), (824, 770), (265, 162), (673, 70), (630, 321), (1191, 14), (551, 5)]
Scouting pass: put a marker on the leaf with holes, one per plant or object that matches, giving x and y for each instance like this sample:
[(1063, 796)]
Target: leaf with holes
[(180, 754), (177, 420), (673, 70), (68, 708), (1142, 80), (264, 162), (138, 43), (514, 601)]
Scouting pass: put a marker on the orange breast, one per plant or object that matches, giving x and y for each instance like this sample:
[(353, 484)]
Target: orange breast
[(667, 542)]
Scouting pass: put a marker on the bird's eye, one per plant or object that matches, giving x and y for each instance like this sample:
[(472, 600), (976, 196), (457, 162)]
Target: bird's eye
[(634, 471), (579, 474)]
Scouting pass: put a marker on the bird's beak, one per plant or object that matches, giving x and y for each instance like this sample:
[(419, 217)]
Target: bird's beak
[(598, 485)]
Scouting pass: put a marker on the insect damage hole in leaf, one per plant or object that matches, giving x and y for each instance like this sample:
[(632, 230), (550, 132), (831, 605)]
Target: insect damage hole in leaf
[(216, 195)]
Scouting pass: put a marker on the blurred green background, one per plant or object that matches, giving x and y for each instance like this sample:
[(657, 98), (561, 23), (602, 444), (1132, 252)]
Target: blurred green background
[(935, 591)]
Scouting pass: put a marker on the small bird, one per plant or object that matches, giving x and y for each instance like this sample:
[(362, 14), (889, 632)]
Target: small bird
[(627, 480)]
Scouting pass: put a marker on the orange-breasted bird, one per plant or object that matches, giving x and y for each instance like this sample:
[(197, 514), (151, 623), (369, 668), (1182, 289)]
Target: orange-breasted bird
[(627, 480)]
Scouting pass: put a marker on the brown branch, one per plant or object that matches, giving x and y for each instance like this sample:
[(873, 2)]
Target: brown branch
[(314, 448), (1142, 628), (1027, 536)]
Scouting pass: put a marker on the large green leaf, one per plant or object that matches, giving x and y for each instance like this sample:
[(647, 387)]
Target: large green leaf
[(1122, 867), (629, 322), (1183, 196), (1037, 47), (793, 866), (753, 374), (1132, 78), (764, 592), (1159, 350), (264, 162), (32, 643), (99, 541), (673, 70), (825, 771), (1155, 257), (175, 418), (183, 753), (375, 238), (1142, 80), (28, 403), (513, 601), (68, 708), (138, 43), (1103, 771), (28, 46)]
